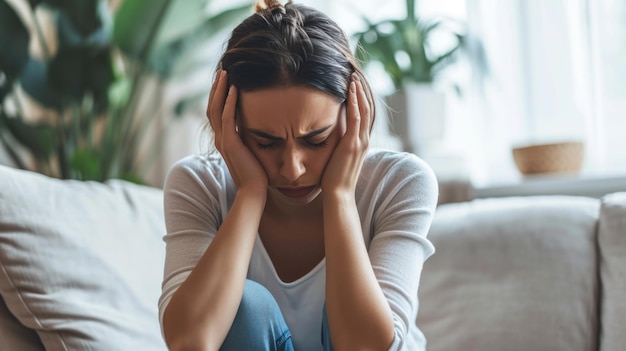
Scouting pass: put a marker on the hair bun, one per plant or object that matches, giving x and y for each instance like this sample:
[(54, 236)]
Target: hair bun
[(267, 5)]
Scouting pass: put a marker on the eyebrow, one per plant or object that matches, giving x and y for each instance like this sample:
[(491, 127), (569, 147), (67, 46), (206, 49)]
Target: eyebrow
[(309, 135)]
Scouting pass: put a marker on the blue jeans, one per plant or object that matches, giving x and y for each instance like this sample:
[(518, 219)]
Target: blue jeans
[(259, 324)]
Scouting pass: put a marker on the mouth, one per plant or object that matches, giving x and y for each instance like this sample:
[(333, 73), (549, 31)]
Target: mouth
[(298, 192)]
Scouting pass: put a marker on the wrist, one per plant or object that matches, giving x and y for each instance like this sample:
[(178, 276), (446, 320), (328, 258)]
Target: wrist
[(252, 193), (338, 197)]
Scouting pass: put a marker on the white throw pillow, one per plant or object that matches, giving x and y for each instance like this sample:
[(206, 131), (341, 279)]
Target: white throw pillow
[(81, 263), (512, 274)]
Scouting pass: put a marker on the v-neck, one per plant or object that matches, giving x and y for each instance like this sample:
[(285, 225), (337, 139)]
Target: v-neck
[(268, 260)]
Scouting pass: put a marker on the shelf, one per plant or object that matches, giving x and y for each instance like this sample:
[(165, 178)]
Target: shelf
[(592, 186)]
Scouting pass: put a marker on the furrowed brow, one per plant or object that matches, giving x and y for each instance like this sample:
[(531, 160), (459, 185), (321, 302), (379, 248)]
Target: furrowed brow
[(263, 134), (316, 132), (309, 135)]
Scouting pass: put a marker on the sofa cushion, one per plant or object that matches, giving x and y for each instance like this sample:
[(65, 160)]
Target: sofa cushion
[(612, 248), (512, 274), (81, 263)]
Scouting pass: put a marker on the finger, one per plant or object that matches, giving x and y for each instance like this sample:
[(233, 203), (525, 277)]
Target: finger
[(364, 109), (352, 111), (216, 101), (229, 129), (208, 104), (216, 79)]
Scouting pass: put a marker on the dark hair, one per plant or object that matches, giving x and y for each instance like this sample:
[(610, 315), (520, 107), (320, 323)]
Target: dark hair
[(291, 44)]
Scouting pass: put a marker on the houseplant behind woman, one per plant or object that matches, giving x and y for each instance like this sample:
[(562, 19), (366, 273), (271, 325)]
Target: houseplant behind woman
[(291, 235), (414, 52)]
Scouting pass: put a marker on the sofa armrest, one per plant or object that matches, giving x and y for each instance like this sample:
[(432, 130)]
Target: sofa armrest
[(612, 251)]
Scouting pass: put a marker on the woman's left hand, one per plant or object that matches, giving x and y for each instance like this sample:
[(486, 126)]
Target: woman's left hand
[(344, 166)]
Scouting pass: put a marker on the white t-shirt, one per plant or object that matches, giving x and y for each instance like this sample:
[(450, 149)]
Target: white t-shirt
[(396, 196)]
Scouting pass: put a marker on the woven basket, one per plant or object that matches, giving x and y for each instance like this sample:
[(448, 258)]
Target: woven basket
[(564, 157)]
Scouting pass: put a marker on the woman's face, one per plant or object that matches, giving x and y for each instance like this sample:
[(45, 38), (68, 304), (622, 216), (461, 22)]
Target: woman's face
[(293, 132)]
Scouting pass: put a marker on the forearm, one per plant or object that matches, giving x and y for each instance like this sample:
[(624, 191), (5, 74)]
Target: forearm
[(204, 306), (358, 313)]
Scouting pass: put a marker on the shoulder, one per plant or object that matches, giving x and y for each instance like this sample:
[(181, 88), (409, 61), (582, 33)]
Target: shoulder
[(202, 166), (194, 171), (391, 174), (393, 165)]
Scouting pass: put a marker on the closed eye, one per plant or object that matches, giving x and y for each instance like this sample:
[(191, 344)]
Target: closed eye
[(265, 141), (266, 146), (317, 144), (274, 144)]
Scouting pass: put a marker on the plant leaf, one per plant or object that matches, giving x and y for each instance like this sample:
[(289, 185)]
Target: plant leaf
[(5, 86), (13, 155), (135, 24), (34, 3), (119, 92), (77, 71), (182, 18), (85, 165), (411, 35), (133, 178), (13, 42), (100, 78), (83, 15), (71, 34), (382, 47), (34, 81), (39, 139), (66, 73), (178, 50), (8, 147), (414, 41)]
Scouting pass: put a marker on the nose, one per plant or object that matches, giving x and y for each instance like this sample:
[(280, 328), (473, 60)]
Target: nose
[(292, 164)]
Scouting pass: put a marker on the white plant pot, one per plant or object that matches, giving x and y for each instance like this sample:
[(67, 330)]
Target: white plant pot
[(417, 117)]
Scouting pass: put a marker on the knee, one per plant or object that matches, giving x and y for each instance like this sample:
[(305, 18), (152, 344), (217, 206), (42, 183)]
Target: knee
[(259, 323), (257, 301)]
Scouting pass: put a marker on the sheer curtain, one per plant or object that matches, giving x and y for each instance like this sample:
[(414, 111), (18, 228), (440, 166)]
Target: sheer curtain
[(556, 76), (535, 77), (607, 28)]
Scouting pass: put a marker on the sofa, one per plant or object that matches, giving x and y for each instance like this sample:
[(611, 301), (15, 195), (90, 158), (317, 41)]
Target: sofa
[(81, 268)]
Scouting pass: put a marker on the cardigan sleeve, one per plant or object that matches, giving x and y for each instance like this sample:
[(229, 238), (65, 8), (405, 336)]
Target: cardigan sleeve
[(195, 197), (405, 202)]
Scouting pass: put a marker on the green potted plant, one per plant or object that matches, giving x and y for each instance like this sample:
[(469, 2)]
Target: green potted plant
[(88, 78), (404, 49)]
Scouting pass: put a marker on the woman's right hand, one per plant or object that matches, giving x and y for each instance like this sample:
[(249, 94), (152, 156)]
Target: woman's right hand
[(244, 168)]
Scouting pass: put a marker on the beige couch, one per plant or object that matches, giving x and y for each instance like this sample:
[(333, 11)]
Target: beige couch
[(81, 266), (527, 273)]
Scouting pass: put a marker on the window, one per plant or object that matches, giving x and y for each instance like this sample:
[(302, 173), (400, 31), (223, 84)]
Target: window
[(556, 72)]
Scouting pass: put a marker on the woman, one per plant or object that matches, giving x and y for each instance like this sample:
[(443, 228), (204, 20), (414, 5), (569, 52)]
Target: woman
[(293, 236)]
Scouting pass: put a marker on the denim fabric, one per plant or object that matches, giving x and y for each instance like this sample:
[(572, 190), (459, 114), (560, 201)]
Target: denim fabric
[(326, 342), (260, 326)]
